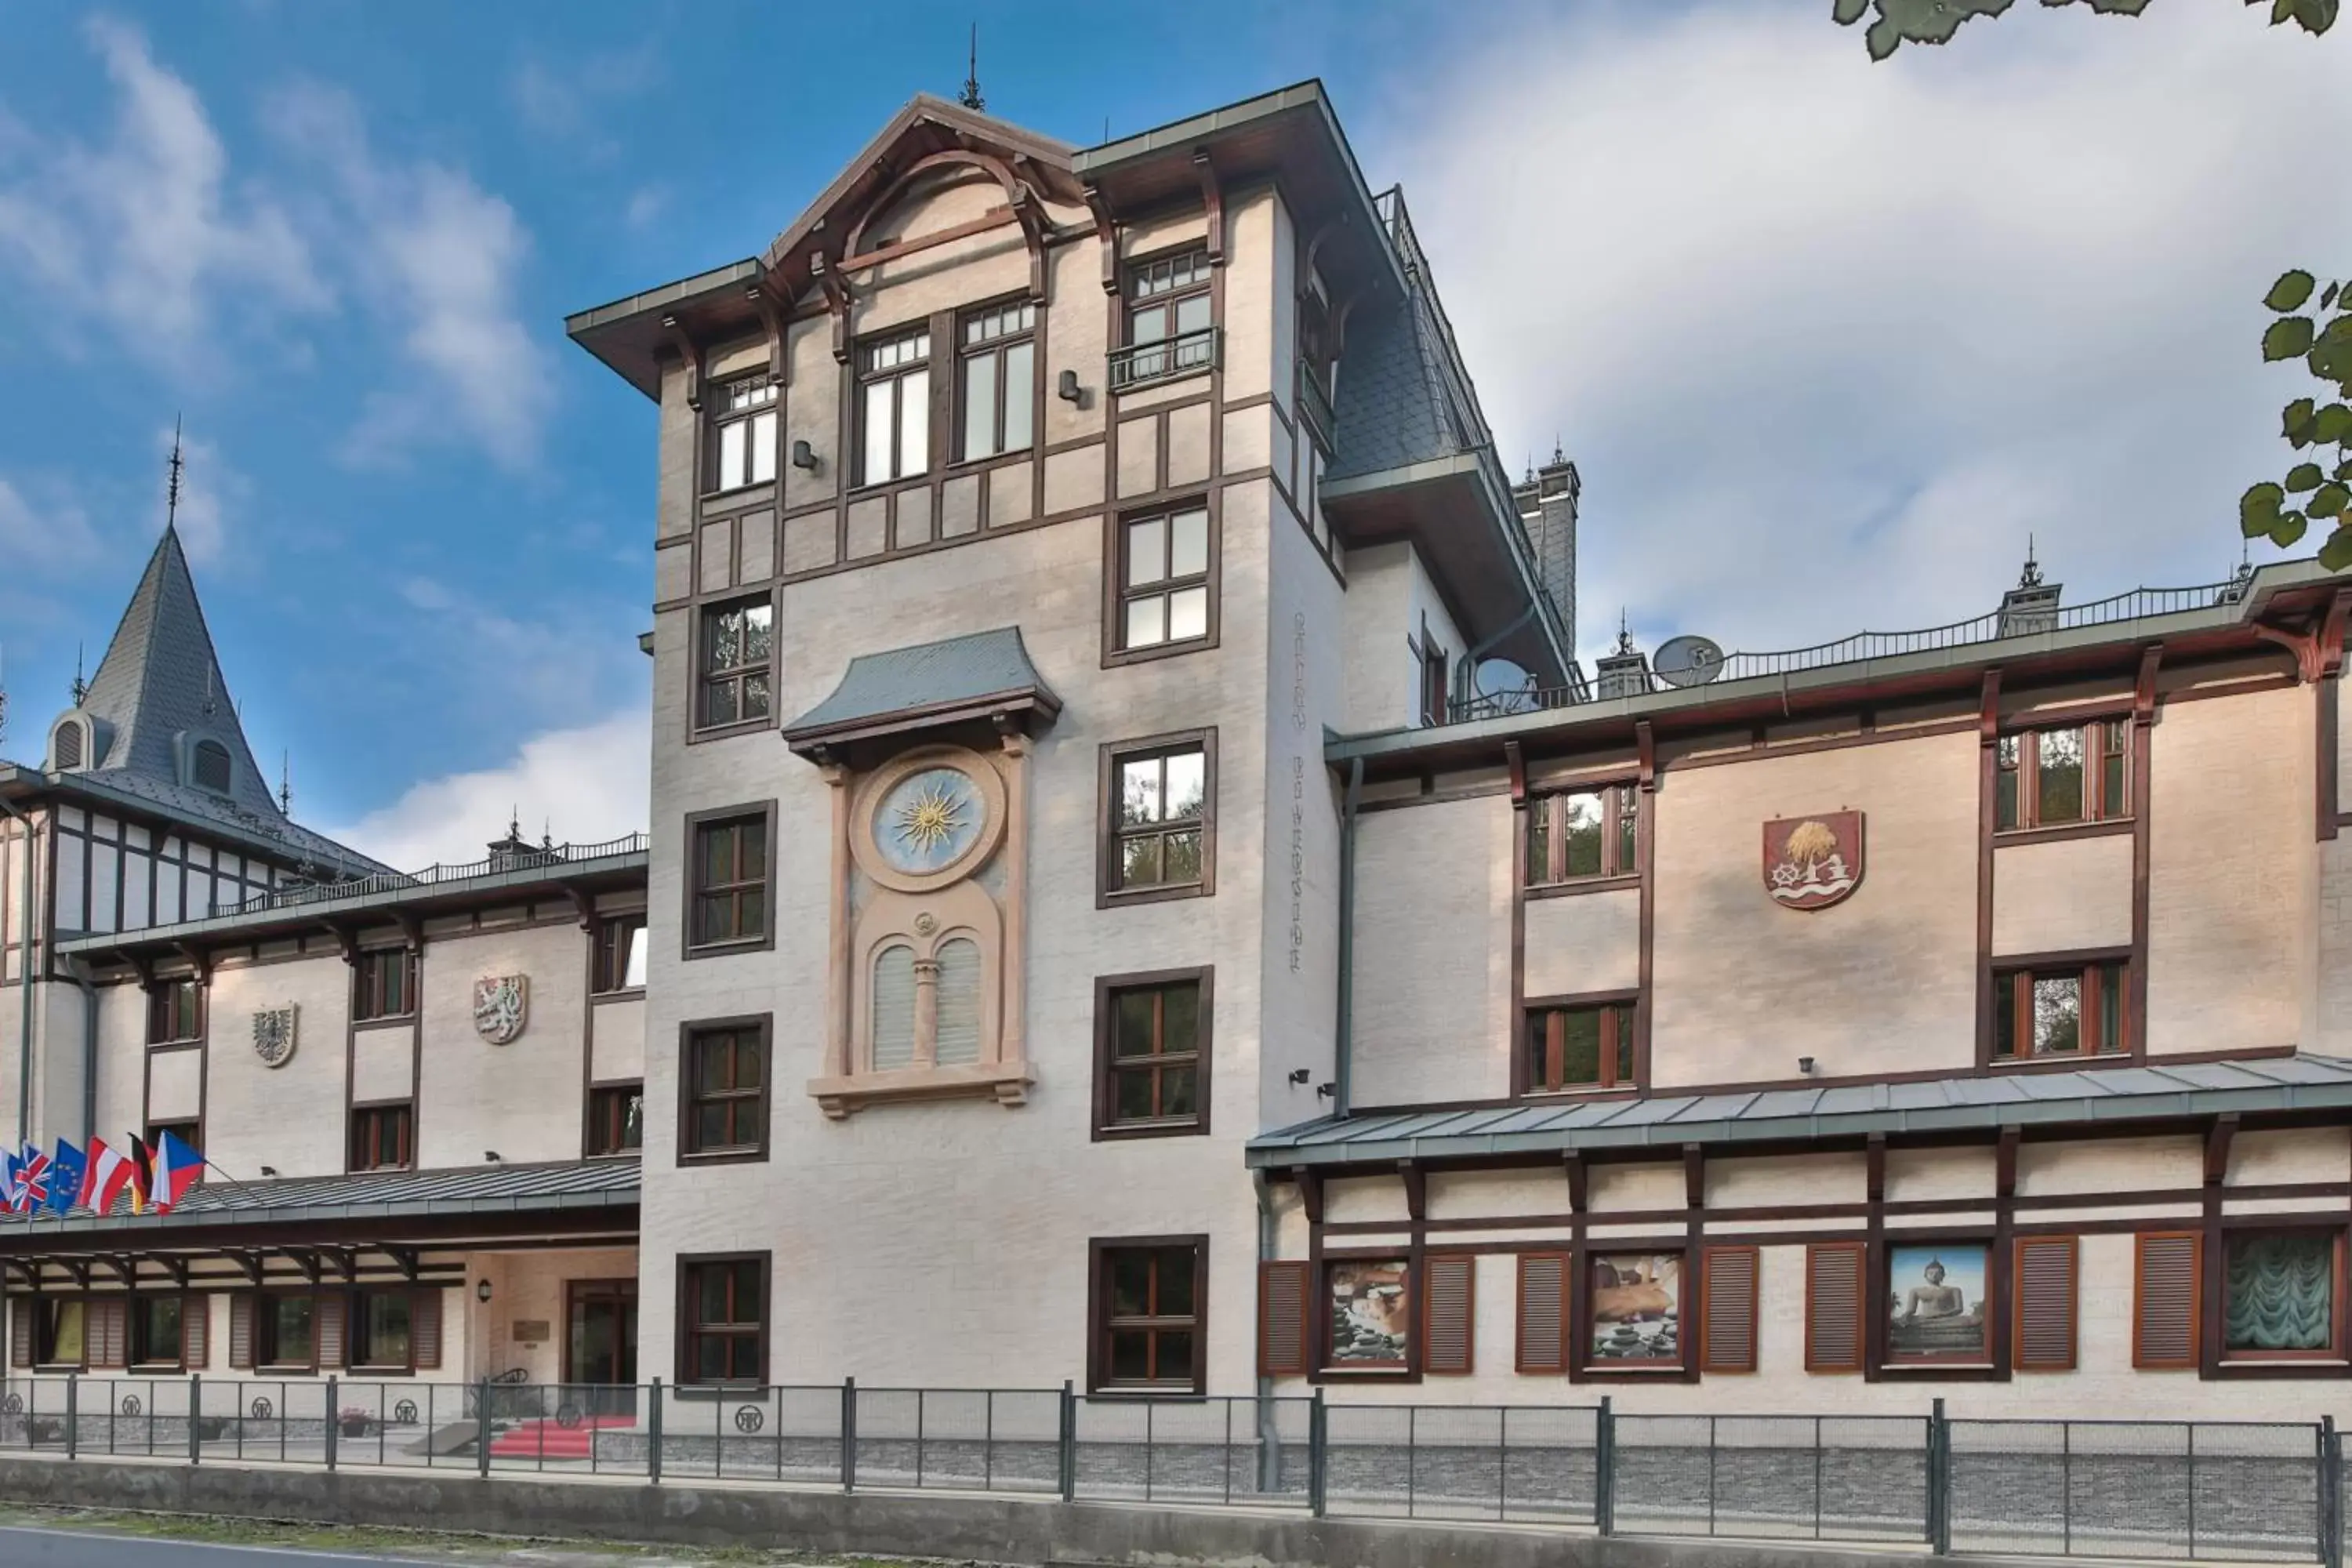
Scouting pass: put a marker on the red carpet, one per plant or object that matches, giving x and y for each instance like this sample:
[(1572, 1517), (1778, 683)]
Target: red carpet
[(534, 1439)]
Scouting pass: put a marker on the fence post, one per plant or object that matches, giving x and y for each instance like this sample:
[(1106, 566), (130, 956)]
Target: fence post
[(1068, 1442), (850, 1434), (195, 1418), (2331, 1493), (334, 1421), (1604, 1468), (654, 1439), (1939, 1481), (482, 1432), (1318, 1456), (73, 1416)]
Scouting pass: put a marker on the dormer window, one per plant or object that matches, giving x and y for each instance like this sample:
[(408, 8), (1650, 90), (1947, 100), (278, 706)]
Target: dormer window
[(68, 747), (208, 766)]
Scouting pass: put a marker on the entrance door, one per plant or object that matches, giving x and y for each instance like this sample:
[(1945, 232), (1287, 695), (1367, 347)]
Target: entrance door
[(600, 1346)]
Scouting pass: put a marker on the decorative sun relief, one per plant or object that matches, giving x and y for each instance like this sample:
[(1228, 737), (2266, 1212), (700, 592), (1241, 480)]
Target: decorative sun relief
[(928, 819)]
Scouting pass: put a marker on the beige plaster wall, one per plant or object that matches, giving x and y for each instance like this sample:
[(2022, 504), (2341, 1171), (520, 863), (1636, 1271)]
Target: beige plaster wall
[(521, 1098), (528, 1288), (616, 1031), (122, 1059), (384, 1063), (289, 1117), (2056, 897), (175, 1084), (2228, 910), (1588, 942), (1432, 1001), (1883, 982)]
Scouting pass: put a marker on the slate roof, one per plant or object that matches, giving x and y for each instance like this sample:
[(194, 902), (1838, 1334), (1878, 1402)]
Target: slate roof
[(926, 677), (374, 1194), (2098, 1094), (1392, 405)]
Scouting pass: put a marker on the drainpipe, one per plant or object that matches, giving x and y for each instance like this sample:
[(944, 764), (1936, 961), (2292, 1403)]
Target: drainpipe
[(1269, 1432), (1344, 1044), (78, 971), (25, 979)]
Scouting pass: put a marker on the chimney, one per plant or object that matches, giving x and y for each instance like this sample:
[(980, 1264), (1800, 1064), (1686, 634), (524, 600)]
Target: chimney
[(1623, 672), (2032, 606), (1547, 503)]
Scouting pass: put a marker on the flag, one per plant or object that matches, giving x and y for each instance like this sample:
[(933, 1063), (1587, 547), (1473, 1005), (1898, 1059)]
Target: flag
[(66, 1173), (109, 1174), (177, 1166), (32, 1175), (142, 1175), (12, 1187)]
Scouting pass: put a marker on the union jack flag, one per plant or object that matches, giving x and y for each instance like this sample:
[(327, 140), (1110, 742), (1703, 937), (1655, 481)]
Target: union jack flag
[(32, 1181)]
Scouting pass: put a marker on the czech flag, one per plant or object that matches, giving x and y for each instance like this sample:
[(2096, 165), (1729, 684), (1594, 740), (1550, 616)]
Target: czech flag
[(108, 1175), (177, 1166), (66, 1173)]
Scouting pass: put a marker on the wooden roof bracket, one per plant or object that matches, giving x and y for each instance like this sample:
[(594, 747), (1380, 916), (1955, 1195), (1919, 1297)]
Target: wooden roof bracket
[(1213, 196), (1107, 231), (690, 356), (1416, 1190), (2218, 1139)]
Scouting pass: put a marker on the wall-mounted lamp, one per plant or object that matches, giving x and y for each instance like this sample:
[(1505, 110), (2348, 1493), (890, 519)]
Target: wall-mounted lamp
[(1298, 1076), (268, 1169), (1067, 388), (803, 456), (1805, 1067), (490, 1157), (482, 1293), (1327, 1090)]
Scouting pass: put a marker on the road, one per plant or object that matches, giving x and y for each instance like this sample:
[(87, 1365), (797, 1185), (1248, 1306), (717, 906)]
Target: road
[(81, 1549)]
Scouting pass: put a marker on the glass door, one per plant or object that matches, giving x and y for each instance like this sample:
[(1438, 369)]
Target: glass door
[(600, 1346)]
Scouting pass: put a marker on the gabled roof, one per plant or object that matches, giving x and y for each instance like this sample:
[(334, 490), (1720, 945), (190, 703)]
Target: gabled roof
[(929, 684)]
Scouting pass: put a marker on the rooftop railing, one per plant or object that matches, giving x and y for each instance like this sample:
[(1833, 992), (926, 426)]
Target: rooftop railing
[(523, 858)]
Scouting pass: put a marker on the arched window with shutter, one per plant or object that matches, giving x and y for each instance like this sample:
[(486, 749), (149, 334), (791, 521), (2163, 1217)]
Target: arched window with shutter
[(958, 1019), (210, 767), (894, 1008), (66, 749)]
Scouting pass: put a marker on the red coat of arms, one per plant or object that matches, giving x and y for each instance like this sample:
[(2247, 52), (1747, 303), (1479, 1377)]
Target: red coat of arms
[(1812, 862)]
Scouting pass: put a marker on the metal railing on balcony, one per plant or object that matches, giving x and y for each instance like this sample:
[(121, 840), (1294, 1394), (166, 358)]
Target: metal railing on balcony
[(524, 858), (1164, 359)]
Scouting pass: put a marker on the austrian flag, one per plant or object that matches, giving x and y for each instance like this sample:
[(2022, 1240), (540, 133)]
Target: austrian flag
[(108, 1178)]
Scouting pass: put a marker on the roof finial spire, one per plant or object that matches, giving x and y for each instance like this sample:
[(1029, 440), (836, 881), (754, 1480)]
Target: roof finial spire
[(80, 687), (211, 706), (1558, 454), (172, 488), (285, 783), (1624, 633), (2032, 576), (969, 96)]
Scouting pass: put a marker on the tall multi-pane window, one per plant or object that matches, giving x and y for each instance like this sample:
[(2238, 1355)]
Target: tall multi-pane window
[(723, 1335), (157, 1325), (175, 1011), (1159, 817), (382, 1326), (385, 985), (2048, 778), (747, 434), (894, 407), (2075, 1010), (382, 1137), (730, 880), (617, 1119), (1151, 1070), (1580, 834), (1170, 328), (1148, 1323), (2279, 1295), (996, 375), (738, 653), (620, 953), (1163, 592), (725, 1090), (1580, 1047)]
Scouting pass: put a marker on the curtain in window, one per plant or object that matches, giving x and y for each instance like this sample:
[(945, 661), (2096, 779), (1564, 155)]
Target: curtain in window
[(2280, 1295), (959, 1028), (894, 1008)]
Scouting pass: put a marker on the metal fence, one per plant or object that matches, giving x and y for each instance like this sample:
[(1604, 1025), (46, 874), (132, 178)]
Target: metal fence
[(2211, 1491)]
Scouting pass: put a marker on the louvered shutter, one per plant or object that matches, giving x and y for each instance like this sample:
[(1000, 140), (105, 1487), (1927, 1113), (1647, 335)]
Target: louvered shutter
[(1834, 1294), (894, 1008), (241, 1331), (2048, 1268), (1449, 1346), (1727, 1292), (1282, 1320), (195, 1332), (327, 1313), (2166, 1273), (21, 1311), (956, 1037), (107, 1334), (1543, 1311), (425, 1328)]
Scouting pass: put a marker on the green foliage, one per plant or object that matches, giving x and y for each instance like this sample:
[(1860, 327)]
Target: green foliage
[(2323, 480), (1901, 22)]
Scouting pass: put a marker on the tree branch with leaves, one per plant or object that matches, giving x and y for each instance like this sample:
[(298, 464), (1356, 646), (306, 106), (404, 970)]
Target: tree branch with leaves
[(1901, 22), (2318, 488)]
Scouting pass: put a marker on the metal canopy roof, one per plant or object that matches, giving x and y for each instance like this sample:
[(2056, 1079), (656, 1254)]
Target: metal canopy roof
[(368, 1196), (934, 682), (2103, 1095)]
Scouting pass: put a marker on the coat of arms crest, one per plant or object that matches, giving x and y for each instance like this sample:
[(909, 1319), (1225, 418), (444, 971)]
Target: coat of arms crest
[(1812, 862), (274, 1032), (501, 1002)]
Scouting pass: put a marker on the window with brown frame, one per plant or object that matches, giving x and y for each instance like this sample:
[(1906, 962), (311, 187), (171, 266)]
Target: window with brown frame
[(1433, 666), (2167, 1300), (1543, 1312), (2043, 1287), (2283, 1294), (725, 1090), (382, 1330), (1149, 1299), (730, 880), (1152, 1053), (722, 1319), (1835, 1301), (738, 653), (1159, 811), (745, 447), (2074, 1009), (284, 1330), (1449, 1313), (184, 1130), (60, 1330), (620, 954), (159, 1329), (1164, 585), (1171, 330), (616, 1120), (1576, 835), (894, 407), (385, 985), (1580, 1047), (2047, 778), (996, 379), (1730, 1290), (382, 1137), (175, 1011), (1367, 1314)]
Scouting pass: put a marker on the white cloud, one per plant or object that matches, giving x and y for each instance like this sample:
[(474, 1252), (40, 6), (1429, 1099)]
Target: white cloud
[(583, 785), (1828, 339), (146, 231), (646, 203), (47, 533), (566, 101)]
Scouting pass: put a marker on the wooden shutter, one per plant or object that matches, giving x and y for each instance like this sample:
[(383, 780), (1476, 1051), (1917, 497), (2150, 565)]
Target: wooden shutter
[(425, 1328), (2167, 1272), (1543, 1311), (241, 1331), (1834, 1298), (1449, 1344), (327, 1313), (2048, 1268), (106, 1334), (21, 1313), (1728, 1278), (1282, 1320), (195, 1332)]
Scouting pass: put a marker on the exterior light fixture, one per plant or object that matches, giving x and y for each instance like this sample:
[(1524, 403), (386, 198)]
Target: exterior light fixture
[(1805, 1067), (803, 456), (1067, 388), (482, 1293), (268, 1169), (490, 1157)]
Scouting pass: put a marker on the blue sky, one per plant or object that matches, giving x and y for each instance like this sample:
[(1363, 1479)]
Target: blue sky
[(1844, 332)]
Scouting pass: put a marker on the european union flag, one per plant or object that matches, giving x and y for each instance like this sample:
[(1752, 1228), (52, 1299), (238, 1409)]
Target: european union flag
[(67, 1173)]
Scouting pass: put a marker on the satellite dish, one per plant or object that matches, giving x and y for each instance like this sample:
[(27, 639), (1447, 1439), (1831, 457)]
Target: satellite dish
[(1504, 688), (1687, 661)]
